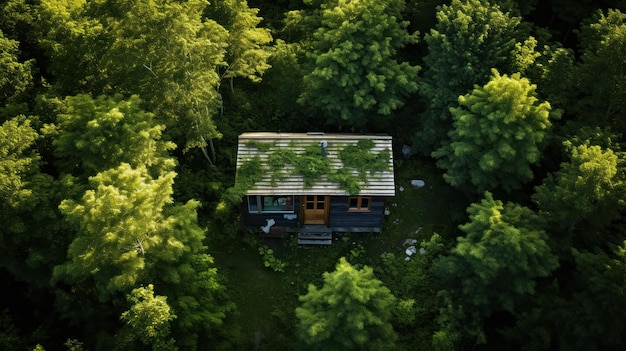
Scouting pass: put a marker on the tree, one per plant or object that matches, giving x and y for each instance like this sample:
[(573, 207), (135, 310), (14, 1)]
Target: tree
[(350, 311), (551, 69), (248, 52), (602, 71), (471, 37), (166, 52), (29, 244), (148, 320), (92, 135), (354, 71), (118, 222), (494, 267), (15, 76), (17, 159), (571, 14), (127, 234), (587, 190), (498, 133), (591, 318)]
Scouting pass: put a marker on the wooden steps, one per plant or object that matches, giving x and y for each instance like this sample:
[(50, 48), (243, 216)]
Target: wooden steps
[(315, 235)]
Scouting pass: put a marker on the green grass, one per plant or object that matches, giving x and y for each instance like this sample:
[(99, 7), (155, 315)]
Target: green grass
[(419, 213)]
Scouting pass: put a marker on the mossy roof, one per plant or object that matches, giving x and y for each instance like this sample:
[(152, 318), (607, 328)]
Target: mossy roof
[(380, 183)]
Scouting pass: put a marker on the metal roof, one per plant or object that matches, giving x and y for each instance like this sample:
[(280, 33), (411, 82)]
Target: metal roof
[(378, 184)]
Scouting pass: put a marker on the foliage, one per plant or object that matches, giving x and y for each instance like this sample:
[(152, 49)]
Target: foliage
[(95, 134), (521, 255), (471, 38), (15, 77), (270, 261), (142, 76), (278, 160), (248, 52), (28, 201), (354, 71), (601, 73), (494, 267), (596, 302), (350, 311), (259, 145), (589, 188), (311, 165), (10, 339), (118, 222), (167, 52), (360, 158), (17, 159), (498, 133), (73, 345), (247, 175), (551, 72), (149, 319), (129, 233)]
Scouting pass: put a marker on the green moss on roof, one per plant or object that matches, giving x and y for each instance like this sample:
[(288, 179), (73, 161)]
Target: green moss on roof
[(313, 166)]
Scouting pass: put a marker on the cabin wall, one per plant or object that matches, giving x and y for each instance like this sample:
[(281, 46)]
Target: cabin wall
[(282, 219), (342, 220)]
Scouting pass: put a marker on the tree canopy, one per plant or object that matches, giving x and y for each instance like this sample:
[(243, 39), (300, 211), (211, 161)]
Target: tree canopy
[(497, 135), (355, 71), (471, 38), (350, 311), (119, 125), (589, 188), (494, 267)]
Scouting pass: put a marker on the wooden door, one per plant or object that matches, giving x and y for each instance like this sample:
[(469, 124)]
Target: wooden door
[(314, 209)]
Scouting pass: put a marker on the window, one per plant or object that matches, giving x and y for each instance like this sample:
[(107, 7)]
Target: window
[(268, 203), (359, 203)]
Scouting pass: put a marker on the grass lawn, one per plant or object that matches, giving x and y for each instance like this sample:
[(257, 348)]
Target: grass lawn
[(266, 299)]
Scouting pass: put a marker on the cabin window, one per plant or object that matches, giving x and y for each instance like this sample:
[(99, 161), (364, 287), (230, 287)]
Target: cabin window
[(359, 203), (269, 203)]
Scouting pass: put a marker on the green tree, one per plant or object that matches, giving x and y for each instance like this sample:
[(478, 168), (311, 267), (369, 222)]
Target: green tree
[(571, 14), (494, 267), (17, 160), (117, 222), (498, 133), (588, 190), (551, 69), (602, 72), (471, 37), (351, 311), (148, 320), (15, 76), (92, 135), (354, 70), (167, 52), (592, 318), (30, 242), (248, 51), (128, 233)]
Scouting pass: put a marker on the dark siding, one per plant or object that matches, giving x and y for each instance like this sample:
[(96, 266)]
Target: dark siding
[(259, 219), (365, 221), (340, 220)]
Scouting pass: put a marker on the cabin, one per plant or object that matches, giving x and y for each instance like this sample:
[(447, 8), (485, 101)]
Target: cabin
[(314, 184)]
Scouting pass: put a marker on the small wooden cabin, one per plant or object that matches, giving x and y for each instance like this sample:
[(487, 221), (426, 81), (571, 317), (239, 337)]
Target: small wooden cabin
[(315, 183)]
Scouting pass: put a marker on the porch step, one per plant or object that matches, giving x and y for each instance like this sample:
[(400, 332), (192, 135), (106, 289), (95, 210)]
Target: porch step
[(315, 235), (315, 229), (314, 242)]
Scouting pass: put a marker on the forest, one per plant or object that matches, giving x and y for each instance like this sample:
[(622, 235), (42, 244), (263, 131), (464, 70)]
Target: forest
[(119, 208)]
